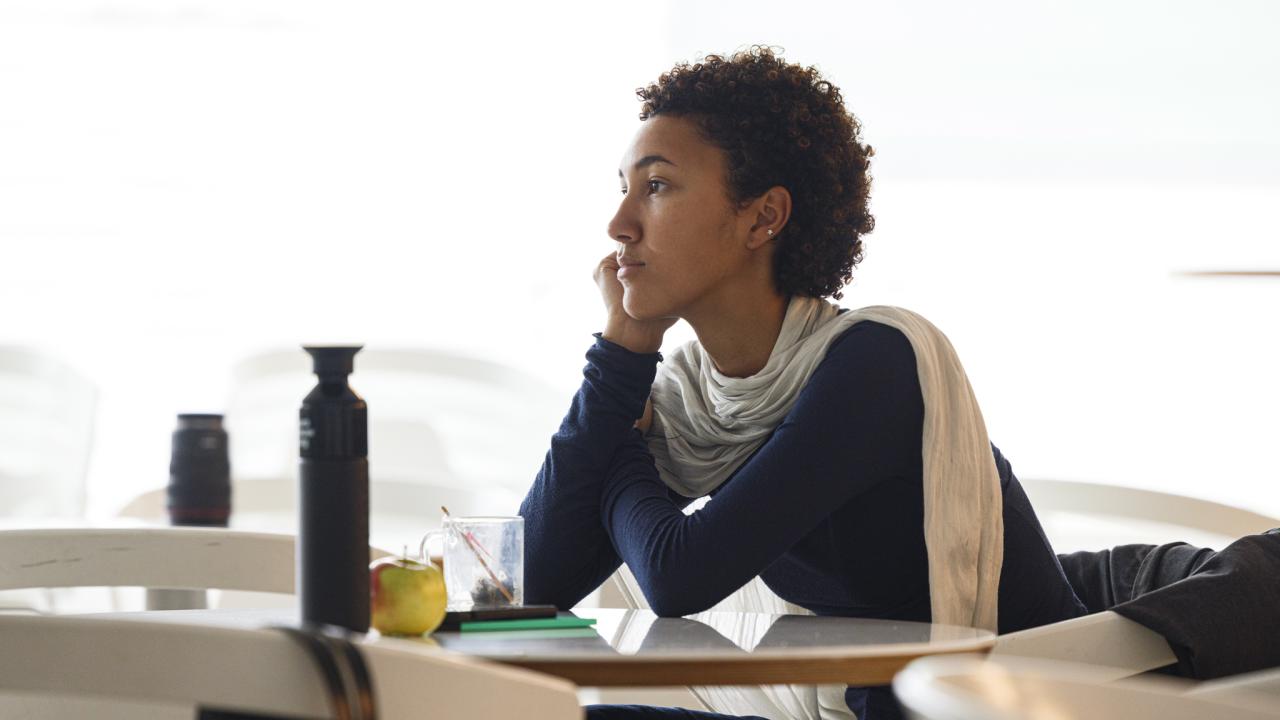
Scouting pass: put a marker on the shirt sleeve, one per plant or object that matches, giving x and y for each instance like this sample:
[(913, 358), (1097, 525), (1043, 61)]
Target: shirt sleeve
[(837, 442), (567, 551)]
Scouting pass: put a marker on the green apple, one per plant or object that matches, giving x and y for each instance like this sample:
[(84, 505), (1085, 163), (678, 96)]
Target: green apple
[(408, 597)]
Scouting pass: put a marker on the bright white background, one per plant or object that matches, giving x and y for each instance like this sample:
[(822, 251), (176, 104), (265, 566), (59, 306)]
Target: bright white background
[(183, 183)]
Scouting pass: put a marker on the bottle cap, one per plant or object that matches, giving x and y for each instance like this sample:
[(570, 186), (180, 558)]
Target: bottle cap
[(333, 420), (332, 361)]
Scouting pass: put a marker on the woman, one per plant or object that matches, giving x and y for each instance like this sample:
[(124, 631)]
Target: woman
[(834, 444)]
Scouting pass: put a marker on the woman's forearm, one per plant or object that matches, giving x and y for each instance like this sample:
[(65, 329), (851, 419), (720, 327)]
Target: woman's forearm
[(567, 552)]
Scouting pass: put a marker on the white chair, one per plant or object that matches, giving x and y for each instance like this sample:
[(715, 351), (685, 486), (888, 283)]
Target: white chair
[(1093, 516), (46, 435), (159, 557), (1115, 646), (58, 666), (434, 417), (970, 688), (1079, 515), (395, 507), (1105, 647)]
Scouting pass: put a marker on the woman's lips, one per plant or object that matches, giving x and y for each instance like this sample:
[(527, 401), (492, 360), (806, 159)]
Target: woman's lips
[(626, 269)]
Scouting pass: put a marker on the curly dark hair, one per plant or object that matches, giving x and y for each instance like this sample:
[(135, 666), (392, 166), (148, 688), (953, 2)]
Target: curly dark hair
[(782, 124)]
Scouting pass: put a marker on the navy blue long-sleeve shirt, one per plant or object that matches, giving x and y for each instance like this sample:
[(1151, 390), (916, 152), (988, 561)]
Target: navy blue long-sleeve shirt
[(829, 511)]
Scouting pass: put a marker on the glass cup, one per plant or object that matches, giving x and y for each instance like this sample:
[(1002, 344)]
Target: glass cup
[(483, 560)]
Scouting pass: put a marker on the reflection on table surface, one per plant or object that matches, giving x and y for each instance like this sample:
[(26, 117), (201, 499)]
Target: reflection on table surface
[(723, 634), (637, 648), (622, 634)]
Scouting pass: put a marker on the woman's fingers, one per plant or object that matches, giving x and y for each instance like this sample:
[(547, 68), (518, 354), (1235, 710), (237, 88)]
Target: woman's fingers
[(607, 270), (609, 261), (635, 335), (606, 277)]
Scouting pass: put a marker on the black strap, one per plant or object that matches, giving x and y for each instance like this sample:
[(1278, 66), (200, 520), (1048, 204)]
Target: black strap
[(346, 676), (363, 681), (360, 687), (322, 655)]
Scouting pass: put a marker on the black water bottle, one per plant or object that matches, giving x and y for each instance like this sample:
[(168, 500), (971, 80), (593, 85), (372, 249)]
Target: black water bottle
[(199, 490), (333, 496)]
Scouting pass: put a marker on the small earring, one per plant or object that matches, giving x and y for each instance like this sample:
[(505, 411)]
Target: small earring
[(770, 231)]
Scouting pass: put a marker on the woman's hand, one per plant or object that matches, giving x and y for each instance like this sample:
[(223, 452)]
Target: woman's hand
[(641, 336)]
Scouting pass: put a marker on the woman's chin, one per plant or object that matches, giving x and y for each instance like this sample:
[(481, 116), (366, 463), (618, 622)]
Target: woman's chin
[(639, 310)]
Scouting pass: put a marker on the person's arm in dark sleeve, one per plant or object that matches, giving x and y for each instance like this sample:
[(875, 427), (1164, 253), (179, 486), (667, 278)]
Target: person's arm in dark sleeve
[(567, 552), (838, 441)]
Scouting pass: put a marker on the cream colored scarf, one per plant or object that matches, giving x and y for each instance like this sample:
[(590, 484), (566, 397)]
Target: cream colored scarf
[(706, 424)]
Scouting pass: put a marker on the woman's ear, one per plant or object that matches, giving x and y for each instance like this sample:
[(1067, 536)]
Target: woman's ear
[(770, 213)]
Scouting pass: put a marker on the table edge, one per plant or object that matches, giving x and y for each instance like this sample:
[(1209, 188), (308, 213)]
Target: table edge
[(878, 669)]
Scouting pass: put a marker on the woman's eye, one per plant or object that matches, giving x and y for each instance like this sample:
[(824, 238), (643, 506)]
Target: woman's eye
[(624, 191), (655, 185)]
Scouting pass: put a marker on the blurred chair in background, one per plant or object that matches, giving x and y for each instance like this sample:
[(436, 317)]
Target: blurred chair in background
[(435, 417), (1093, 516), (399, 512), (46, 435), (156, 557), (1083, 667), (194, 559), (444, 430)]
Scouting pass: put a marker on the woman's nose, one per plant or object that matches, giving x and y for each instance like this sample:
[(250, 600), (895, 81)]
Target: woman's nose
[(623, 227)]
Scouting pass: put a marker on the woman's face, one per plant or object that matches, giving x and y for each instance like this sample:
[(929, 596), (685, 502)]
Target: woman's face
[(680, 239)]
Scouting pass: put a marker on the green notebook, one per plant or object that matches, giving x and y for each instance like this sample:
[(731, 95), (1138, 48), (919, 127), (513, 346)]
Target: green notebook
[(555, 623)]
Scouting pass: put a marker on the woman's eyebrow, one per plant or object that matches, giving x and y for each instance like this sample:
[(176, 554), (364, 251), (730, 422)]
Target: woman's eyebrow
[(648, 160)]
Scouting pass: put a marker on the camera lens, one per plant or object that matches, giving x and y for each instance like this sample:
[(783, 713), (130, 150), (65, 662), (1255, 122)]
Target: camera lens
[(199, 472)]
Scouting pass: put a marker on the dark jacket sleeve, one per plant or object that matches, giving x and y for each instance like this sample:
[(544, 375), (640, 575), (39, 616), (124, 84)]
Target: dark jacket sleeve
[(567, 552)]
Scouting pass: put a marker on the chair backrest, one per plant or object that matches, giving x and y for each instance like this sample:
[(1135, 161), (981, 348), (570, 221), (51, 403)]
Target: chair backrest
[(399, 512), (1092, 516), (46, 434), (1115, 646), (433, 414), (177, 557), (966, 687), (168, 665)]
